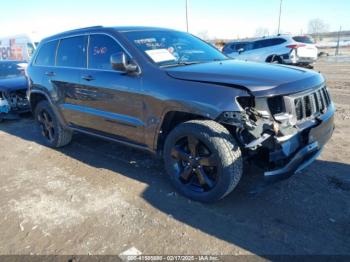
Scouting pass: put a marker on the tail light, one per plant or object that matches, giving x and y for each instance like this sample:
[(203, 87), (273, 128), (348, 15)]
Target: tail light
[(295, 46)]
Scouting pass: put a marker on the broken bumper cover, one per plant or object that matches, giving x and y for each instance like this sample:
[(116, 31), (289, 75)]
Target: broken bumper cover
[(318, 136)]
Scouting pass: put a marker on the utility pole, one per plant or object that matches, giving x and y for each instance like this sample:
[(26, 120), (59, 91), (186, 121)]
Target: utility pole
[(279, 18), (187, 16), (338, 43)]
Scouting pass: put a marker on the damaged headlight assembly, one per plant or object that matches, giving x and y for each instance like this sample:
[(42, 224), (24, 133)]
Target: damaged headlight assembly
[(256, 124)]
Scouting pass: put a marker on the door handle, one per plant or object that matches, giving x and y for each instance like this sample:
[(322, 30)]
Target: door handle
[(50, 73), (88, 78)]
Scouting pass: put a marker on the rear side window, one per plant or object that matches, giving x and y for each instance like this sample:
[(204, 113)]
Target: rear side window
[(278, 41), (268, 42), (261, 44), (101, 47), (303, 39), (72, 52), (47, 53)]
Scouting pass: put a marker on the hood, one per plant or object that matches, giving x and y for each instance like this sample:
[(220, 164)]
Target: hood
[(13, 84), (260, 79)]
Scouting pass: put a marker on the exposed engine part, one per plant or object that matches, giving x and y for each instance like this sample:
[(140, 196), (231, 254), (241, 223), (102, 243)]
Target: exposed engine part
[(13, 103), (4, 106), (16, 100)]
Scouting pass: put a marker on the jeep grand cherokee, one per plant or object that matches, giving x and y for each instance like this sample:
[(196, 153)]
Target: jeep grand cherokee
[(172, 94)]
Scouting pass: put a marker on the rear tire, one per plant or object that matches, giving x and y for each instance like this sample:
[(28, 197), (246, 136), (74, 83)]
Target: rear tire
[(206, 170), (54, 134), (275, 59)]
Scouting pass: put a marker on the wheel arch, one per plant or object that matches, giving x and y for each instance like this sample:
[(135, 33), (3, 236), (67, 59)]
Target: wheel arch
[(36, 96), (170, 120)]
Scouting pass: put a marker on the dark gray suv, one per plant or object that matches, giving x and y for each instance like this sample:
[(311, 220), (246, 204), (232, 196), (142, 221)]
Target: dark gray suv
[(172, 94)]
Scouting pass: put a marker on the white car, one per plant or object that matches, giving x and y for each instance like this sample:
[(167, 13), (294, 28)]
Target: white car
[(282, 49)]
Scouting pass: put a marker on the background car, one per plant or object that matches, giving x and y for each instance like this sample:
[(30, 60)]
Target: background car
[(281, 49), (13, 88)]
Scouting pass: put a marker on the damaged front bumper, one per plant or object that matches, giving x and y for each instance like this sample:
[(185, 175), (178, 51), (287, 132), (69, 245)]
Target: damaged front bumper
[(279, 147), (302, 149)]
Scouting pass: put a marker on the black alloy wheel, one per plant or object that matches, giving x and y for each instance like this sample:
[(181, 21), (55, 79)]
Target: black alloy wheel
[(195, 164), (54, 133), (47, 125), (203, 160)]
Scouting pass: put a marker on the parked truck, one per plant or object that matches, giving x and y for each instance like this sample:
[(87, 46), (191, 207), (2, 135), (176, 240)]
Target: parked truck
[(19, 48)]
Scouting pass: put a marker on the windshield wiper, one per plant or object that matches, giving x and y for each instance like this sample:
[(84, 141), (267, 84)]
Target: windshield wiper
[(186, 63), (183, 63)]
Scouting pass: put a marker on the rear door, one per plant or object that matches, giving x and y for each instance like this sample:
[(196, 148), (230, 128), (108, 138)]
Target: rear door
[(256, 53), (262, 49), (42, 69), (107, 101)]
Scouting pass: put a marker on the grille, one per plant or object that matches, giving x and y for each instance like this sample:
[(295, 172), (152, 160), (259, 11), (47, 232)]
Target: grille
[(306, 105)]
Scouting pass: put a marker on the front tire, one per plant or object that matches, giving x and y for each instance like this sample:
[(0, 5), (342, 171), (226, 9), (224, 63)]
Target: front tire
[(54, 134), (203, 160)]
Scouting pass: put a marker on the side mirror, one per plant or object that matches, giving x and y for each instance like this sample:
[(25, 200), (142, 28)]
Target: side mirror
[(240, 51), (120, 62)]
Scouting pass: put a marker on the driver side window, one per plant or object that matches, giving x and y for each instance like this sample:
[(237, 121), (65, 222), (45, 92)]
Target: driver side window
[(101, 47)]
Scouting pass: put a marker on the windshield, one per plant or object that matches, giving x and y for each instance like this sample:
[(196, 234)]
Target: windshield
[(11, 69), (171, 48)]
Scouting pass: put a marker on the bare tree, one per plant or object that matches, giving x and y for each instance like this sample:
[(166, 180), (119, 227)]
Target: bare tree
[(316, 27), (262, 31)]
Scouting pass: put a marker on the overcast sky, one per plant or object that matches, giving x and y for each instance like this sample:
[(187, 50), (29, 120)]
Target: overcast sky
[(216, 18)]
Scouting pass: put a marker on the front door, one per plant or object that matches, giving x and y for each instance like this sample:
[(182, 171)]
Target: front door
[(107, 101)]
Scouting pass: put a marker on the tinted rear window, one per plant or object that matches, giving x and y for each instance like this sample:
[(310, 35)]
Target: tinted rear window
[(101, 47), (261, 44), (72, 52), (278, 41), (303, 39), (268, 42), (46, 55)]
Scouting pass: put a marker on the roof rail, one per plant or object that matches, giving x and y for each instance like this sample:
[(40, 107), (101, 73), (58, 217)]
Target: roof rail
[(89, 27), (83, 28)]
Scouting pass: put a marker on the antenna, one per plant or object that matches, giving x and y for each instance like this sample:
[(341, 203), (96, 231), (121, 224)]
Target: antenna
[(187, 16), (279, 18)]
